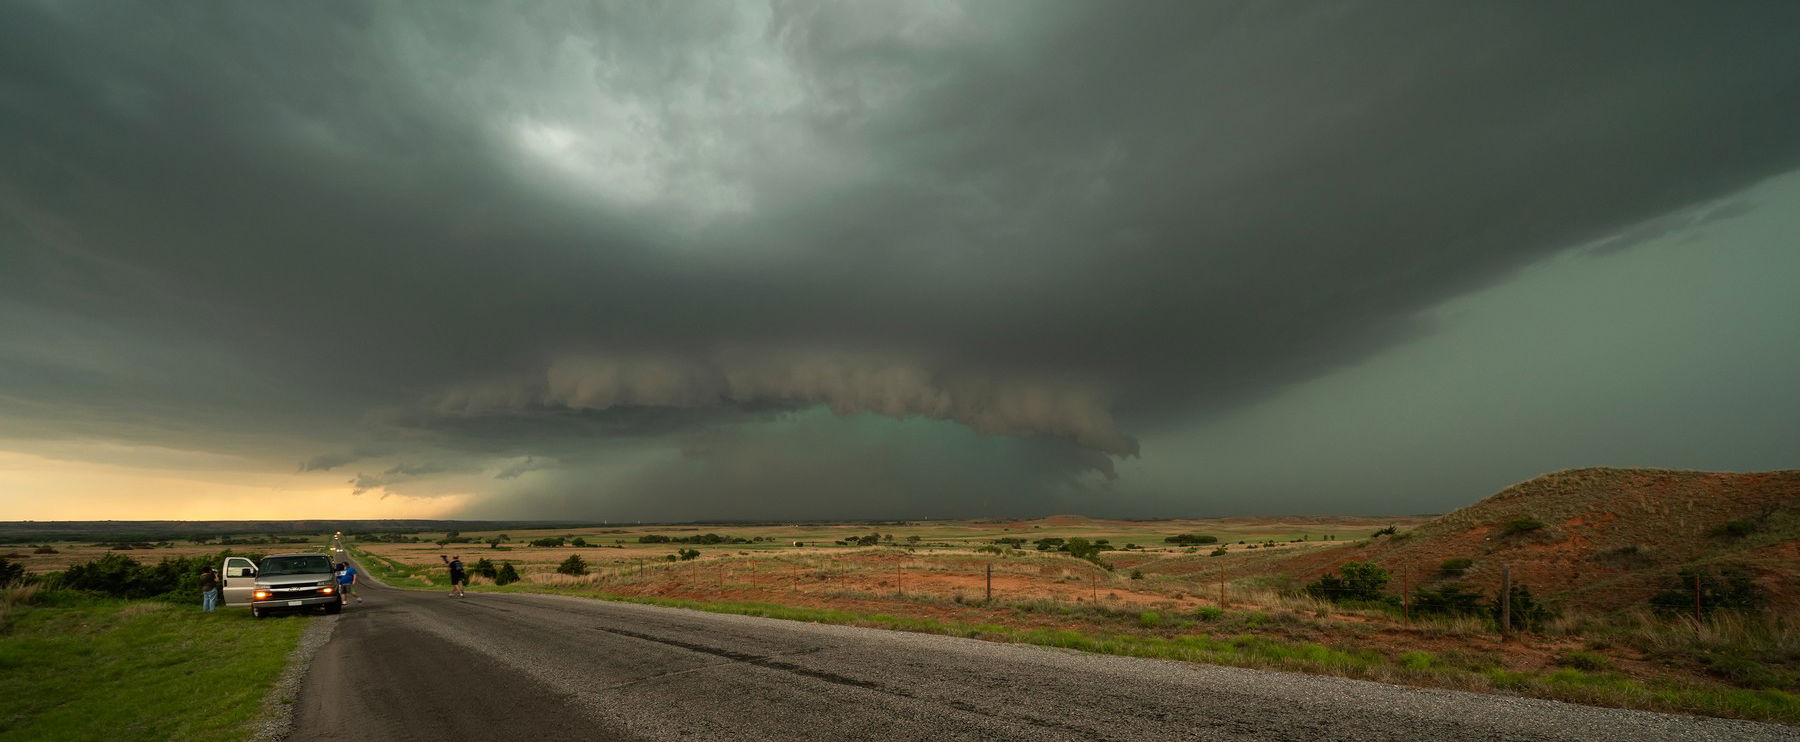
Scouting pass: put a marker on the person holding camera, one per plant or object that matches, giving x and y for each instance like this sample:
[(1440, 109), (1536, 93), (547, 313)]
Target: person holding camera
[(458, 577)]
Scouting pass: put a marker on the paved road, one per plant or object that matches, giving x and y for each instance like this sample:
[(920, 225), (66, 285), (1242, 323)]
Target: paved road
[(411, 665)]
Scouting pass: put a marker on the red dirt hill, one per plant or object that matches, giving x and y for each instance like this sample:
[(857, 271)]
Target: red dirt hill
[(1599, 538)]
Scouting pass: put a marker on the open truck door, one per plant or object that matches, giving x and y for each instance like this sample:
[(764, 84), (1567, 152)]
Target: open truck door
[(240, 580)]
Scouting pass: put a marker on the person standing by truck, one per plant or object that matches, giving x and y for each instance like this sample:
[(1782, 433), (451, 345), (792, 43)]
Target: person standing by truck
[(346, 578), (209, 590)]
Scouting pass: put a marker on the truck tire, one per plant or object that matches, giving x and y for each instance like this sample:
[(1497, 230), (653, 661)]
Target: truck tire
[(334, 608), (257, 612)]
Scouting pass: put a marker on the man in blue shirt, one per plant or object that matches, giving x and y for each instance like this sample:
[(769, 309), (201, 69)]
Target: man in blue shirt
[(346, 578)]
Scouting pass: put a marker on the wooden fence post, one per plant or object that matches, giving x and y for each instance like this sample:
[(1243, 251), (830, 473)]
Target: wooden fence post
[(1406, 595), (1221, 587), (1696, 597), (1505, 602), (990, 582)]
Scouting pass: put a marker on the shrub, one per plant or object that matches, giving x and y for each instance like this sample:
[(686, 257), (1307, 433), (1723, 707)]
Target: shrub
[(1734, 528), (1526, 611), (486, 569), (1150, 619), (574, 565), (548, 543), (1209, 613), (1455, 566), (1189, 539), (688, 554), (1449, 600), (1218, 552), (578, 542), (121, 576), (1730, 589), (1354, 581), (1079, 548), (1520, 526), (507, 574), (1137, 574), (1388, 531), (46, 549)]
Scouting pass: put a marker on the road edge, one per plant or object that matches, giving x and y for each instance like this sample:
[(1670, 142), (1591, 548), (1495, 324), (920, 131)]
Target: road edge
[(276, 721)]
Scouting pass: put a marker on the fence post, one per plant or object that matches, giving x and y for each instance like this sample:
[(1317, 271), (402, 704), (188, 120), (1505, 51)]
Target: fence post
[(640, 568), (1696, 597), (1406, 595), (990, 582), (1094, 586), (1221, 587), (897, 588), (1505, 602)]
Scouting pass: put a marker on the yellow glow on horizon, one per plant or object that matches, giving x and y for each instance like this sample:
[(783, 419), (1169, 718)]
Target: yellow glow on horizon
[(38, 488)]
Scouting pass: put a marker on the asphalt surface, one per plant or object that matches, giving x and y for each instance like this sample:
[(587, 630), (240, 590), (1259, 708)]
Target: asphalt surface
[(408, 665)]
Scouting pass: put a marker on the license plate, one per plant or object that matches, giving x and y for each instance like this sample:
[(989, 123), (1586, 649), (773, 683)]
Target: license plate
[(293, 603)]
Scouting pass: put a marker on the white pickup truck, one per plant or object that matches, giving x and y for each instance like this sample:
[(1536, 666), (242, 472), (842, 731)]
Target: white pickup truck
[(282, 582)]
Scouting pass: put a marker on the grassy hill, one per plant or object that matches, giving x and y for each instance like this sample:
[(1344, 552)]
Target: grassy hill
[(1596, 538)]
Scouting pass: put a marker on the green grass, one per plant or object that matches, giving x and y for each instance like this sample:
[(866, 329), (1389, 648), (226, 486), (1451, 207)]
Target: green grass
[(79, 668)]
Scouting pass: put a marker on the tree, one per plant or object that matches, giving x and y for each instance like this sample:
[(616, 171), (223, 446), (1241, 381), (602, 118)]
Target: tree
[(1354, 581), (913, 539), (688, 554), (574, 565), (579, 542)]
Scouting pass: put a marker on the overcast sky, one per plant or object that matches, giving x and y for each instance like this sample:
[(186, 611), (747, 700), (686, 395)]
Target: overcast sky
[(886, 259)]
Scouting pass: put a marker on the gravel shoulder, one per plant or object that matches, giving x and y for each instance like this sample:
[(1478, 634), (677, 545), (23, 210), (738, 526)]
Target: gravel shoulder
[(277, 718)]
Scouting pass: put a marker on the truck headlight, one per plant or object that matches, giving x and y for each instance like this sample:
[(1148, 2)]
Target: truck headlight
[(326, 590), (260, 595)]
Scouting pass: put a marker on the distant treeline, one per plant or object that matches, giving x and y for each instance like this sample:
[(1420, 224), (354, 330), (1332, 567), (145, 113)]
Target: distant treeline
[(131, 531)]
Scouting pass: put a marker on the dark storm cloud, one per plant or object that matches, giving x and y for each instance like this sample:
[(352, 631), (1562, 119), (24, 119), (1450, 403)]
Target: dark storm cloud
[(502, 232)]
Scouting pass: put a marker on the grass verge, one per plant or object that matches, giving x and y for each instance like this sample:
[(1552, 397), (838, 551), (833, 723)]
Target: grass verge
[(78, 668)]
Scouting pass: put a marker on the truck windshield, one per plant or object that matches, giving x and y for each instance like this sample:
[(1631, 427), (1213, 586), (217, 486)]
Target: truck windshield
[(295, 565)]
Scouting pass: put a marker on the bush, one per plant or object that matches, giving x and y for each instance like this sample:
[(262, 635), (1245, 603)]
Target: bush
[(1079, 548), (1449, 600), (1150, 619), (688, 554), (1209, 613), (1520, 526), (548, 543), (578, 542), (120, 576), (574, 565), (11, 572), (486, 569), (1354, 581), (1734, 529), (1137, 574), (46, 549), (507, 575), (1190, 539), (1388, 531), (1218, 552), (1731, 589), (1526, 611), (1455, 566)]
